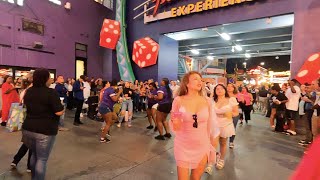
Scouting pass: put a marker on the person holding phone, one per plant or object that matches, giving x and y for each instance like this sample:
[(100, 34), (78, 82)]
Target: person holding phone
[(127, 104), (78, 99), (63, 94)]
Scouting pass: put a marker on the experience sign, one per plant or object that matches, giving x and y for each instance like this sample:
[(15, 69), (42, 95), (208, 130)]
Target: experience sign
[(20, 2), (200, 6)]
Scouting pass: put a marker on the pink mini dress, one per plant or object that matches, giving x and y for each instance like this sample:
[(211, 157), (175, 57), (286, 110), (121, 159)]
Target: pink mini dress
[(191, 144)]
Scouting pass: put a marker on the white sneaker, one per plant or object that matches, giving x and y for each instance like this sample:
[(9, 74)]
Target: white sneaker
[(290, 132), (231, 145), (119, 125), (81, 115)]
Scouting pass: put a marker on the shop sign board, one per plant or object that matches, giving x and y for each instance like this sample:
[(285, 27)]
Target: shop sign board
[(200, 6)]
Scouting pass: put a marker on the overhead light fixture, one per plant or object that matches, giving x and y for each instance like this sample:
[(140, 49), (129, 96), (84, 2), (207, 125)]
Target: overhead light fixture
[(194, 51), (232, 50), (238, 48), (262, 63), (269, 20), (210, 58), (205, 29), (225, 36), (20, 2), (247, 55), (277, 57), (290, 62)]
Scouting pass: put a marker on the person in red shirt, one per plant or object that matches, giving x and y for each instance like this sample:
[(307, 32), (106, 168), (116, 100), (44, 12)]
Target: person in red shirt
[(9, 96)]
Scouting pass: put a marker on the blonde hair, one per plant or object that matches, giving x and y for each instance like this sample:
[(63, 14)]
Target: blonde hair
[(183, 90)]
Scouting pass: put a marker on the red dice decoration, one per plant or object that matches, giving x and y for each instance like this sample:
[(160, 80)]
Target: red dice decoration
[(145, 52), (310, 70), (110, 34)]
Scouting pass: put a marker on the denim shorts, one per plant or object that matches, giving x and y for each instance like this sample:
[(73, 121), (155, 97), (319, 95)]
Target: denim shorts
[(104, 110)]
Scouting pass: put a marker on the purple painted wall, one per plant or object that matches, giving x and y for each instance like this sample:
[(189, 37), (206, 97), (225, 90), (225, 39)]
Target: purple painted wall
[(82, 24), (306, 38), (306, 32)]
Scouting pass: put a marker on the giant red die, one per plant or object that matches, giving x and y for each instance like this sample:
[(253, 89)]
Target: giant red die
[(310, 70), (145, 52), (110, 34)]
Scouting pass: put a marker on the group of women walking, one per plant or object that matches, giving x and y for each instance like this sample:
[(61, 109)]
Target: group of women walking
[(202, 125)]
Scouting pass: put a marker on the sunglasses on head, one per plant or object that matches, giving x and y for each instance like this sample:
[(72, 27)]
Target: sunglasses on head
[(195, 118)]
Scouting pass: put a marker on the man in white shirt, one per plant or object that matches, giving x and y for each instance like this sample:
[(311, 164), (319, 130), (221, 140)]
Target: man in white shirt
[(86, 94), (174, 88), (293, 93)]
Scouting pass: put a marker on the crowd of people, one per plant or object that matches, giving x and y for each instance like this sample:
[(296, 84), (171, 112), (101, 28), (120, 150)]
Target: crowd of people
[(203, 116)]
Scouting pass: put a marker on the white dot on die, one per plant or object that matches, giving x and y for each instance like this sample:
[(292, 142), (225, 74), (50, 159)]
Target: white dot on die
[(108, 40), (314, 57), (134, 46), (138, 42), (133, 57), (148, 56), (147, 38), (150, 41), (302, 73), (143, 64), (139, 63), (140, 51), (137, 54), (154, 49), (116, 32), (319, 72), (143, 47), (106, 21), (111, 26), (153, 44), (116, 23), (106, 29)]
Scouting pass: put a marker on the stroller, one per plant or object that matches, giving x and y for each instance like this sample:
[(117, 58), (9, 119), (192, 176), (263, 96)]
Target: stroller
[(93, 107)]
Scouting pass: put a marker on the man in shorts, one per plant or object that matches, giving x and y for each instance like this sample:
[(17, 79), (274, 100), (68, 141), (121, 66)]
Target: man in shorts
[(293, 93)]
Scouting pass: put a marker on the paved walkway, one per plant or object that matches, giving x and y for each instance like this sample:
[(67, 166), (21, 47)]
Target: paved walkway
[(133, 154)]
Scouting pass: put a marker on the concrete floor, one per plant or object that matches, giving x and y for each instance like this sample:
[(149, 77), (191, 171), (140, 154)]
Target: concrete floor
[(133, 154)]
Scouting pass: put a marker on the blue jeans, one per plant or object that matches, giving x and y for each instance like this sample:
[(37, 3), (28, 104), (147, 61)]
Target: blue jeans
[(235, 122), (61, 121), (41, 146), (127, 105)]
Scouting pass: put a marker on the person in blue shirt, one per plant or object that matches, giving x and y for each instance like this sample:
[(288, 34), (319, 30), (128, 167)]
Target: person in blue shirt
[(63, 94), (78, 98), (164, 98), (110, 97)]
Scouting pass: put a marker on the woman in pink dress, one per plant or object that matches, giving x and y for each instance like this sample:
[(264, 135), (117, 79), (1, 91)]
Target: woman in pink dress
[(9, 96), (191, 124)]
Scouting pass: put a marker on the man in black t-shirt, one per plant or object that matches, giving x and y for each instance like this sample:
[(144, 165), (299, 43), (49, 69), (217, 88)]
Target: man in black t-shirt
[(279, 101)]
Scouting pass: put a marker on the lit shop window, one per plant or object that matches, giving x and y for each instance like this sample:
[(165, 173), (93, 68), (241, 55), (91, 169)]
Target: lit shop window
[(106, 3)]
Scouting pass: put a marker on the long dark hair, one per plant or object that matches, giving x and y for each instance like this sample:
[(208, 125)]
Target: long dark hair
[(166, 85), (5, 78), (215, 96), (153, 84), (40, 77)]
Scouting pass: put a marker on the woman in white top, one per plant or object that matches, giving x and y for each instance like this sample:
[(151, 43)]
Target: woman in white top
[(233, 92), (225, 108)]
